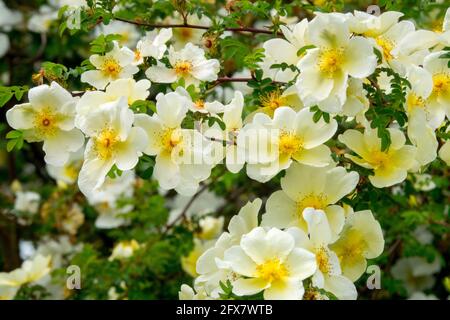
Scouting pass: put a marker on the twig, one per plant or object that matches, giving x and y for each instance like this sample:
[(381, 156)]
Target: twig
[(183, 214), (193, 26)]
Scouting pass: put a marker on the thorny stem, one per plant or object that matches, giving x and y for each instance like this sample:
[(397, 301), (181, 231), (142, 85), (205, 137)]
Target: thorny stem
[(192, 26)]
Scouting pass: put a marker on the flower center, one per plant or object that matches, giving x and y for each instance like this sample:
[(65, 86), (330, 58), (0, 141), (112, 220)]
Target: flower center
[(185, 33), (322, 260), (111, 67), (105, 143), (330, 61), (71, 171), (273, 100), (378, 159), (171, 138), (436, 25), (289, 144), (137, 55), (318, 202), (183, 68), (352, 248), (414, 101), (386, 45), (45, 122), (271, 270), (441, 83), (199, 104)]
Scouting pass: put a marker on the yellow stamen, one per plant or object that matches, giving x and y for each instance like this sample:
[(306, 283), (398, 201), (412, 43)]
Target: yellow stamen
[(441, 83), (171, 138), (350, 247), (183, 68), (137, 55), (45, 122), (105, 143), (111, 67), (271, 270), (379, 159), (71, 171), (414, 101), (273, 101), (199, 104), (289, 144), (386, 46), (316, 201), (322, 260), (330, 61)]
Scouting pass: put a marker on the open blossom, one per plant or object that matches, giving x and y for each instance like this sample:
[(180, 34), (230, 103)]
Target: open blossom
[(308, 187), (317, 239), (27, 201), (113, 141), (389, 166), (124, 249), (439, 100), (324, 70), (270, 261), (360, 239), (189, 262), (68, 173), (271, 145), (128, 88), (271, 101), (278, 51), (356, 103), (48, 117), (181, 154), (371, 25), (210, 265), (232, 118), (115, 64), (31, 271), (152, 45), (416, 272), (422, 120), (189, 64)]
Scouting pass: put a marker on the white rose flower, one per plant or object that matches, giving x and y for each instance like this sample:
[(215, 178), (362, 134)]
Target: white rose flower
[(113, 141), (152, 45), (390, 166), (115, 64), (129, 88), (328, 275), (308, 187), (189, 64), (269, 261), (288, 136), (324, 70), (182, 155), (49, 117)]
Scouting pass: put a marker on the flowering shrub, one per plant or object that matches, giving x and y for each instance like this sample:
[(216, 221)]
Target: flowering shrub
[(224, 149)]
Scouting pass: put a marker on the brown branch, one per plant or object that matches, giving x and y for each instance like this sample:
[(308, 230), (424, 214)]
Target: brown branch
[(192, 26), (183, 214)]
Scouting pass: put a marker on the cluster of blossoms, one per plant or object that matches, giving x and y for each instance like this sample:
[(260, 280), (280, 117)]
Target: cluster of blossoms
[(304, 240), (308, 243)]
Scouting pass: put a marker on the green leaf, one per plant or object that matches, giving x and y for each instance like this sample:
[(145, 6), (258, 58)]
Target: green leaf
[(303, 50)]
